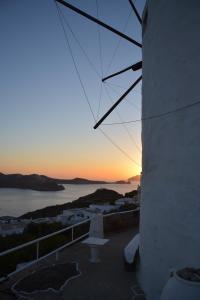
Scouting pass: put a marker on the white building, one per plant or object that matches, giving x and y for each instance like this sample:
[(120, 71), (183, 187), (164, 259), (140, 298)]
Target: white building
[(42, 220), (170, 197), (26, 221), (75, 215), (9, 229), (102, 208), (72, 216), (124, 201)]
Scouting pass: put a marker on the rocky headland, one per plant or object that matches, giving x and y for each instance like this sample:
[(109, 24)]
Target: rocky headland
[(98, 197), (32, 182)]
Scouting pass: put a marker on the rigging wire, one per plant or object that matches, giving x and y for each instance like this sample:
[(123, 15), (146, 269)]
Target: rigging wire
[(116, 85), (157, 116), (99, 40), (84, 90), (99, 100), (81, 47), (127, 100), (123, 125), (73, 59), (87, 58), (119, 148), (118, 43)]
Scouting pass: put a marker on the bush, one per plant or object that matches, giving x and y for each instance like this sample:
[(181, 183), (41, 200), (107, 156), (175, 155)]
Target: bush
[(33, 231)]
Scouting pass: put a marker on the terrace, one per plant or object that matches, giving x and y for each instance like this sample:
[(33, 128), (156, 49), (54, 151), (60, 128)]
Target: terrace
[(105, 280)]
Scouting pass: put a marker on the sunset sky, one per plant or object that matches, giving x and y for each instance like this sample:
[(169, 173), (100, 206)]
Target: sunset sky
[(46, 126)]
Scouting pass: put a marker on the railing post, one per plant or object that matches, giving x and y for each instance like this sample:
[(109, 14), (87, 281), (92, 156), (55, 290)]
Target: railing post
[(57, 255), (72, 233), (38, 249)]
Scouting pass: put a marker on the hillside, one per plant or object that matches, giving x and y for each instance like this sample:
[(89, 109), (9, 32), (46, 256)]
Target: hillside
[(99, 196)]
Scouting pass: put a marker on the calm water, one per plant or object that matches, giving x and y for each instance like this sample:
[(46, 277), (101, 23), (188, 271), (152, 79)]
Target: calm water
[(15, 202)]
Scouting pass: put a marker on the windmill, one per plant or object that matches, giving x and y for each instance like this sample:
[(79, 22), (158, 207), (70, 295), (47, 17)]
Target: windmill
[(170, 197)]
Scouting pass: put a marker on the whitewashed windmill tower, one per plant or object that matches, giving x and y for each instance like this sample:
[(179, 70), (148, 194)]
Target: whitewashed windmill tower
[(170, 212), (170, 208)]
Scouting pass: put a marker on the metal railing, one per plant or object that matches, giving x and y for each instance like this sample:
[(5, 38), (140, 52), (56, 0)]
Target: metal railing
[(122, 212), (37, 242), (56, 251)]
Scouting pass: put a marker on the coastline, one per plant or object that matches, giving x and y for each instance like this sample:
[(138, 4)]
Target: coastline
[(16, 202), (44, 183)]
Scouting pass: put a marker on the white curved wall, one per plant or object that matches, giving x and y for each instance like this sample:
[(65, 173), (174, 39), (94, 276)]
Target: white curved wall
[(170, 209)]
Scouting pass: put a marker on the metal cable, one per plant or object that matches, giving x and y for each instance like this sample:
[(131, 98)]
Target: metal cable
[(99, 41), (73, 59), (81, 47), (124, 126), (157, 116), (118, 147), (118, 43), (127, 100)]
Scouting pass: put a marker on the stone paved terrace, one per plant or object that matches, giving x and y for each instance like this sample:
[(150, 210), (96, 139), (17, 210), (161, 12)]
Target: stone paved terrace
[(106, 280)]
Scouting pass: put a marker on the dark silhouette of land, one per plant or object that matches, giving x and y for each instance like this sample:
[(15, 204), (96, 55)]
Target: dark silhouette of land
[(88, 181), (78, 180), (32, 182), (43, 183)]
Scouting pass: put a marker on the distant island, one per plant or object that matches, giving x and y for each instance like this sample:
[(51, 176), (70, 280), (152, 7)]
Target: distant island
[(78, 180), (88, 181), (32, 182), (43, 183)]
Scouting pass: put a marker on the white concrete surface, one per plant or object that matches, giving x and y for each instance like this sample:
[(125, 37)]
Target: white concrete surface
[(96, 226), (94, 244), (131, 249)]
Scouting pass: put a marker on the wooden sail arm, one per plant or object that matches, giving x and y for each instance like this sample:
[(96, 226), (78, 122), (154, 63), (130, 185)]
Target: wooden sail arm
[(84, 14), (134, 67), (135, 11), (117, 103)]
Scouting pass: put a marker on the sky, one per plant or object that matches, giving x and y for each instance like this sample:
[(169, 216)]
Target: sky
[(46, 124)]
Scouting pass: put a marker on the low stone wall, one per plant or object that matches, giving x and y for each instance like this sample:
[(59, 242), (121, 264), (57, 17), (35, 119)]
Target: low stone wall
[(118, 222)]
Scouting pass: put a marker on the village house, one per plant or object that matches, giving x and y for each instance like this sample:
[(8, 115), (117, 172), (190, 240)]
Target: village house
[(123, 201), (9, 229)]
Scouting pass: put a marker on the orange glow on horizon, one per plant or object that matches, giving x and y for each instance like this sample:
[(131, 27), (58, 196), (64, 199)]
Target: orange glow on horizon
[(104, 166), (96, 173)]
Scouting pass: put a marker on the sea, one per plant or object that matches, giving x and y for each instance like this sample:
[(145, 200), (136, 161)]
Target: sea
[(16, 202)]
